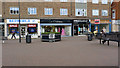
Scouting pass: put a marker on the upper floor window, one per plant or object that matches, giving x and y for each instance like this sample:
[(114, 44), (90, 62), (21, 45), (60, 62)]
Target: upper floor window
[(104, 1), (63, 11), (104, 12), (48, 0), (113, 14), (95, 12), (81, 1), (32, 11), (48, 11), (95, 1), (81, 12), (63, 0), (14, 10)]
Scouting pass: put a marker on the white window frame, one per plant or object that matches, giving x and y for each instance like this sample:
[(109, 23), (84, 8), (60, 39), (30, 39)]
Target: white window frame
[(81, 1), (93, 12), (63, 11), (48, 11), (63, 0), (14, 8), (95, 1), (48, 0), (104, 1), (34, 11), (103, 13), (114, 14), (83, 12)]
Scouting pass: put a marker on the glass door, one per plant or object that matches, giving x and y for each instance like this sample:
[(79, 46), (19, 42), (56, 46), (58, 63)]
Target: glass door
[(23, 31)]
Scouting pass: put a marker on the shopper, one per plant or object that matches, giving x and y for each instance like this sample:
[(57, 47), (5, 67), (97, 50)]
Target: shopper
[(13, 34), (103, 34)]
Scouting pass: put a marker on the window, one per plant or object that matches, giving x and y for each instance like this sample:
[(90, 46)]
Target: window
[(104, 1), (95, 12), (48, 0), (63, 11), (81, 1), (63, 0), (14, 10), (32, 11), (113, 14), (95, 1), (104, 12), (48, 11), (81, 12)]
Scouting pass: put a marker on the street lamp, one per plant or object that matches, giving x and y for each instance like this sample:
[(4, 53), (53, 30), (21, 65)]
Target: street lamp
[(19, 23)]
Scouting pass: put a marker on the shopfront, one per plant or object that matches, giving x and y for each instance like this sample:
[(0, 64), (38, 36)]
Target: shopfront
[(27, 26), (81, 26), (63, 26), (97, 25)]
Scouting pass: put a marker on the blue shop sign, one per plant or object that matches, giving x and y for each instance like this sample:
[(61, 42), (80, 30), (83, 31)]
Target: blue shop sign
[(23, 20)]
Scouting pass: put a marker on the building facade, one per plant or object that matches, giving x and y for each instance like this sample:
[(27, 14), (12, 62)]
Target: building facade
[(68, 18), (115, 16), (99, 13)]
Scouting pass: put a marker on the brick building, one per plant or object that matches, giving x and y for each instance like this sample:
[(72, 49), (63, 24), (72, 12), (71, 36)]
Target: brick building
[(115, 16), (68, 18), (99, 10)]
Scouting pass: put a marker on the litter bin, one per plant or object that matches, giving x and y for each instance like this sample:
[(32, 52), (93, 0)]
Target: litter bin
[(28, 38), (89, 37)]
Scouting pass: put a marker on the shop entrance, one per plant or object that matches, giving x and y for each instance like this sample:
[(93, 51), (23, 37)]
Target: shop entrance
[(81, 29), (23, 31), (75, 30)]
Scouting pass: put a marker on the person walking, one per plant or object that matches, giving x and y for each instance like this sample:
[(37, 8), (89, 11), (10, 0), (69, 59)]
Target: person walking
[(103, 34), (13, 34)]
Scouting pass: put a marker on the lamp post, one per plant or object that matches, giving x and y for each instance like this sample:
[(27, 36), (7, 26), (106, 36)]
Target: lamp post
[(19, 23)]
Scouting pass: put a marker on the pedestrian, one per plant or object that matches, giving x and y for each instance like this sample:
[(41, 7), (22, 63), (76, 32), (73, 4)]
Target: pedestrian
[(103, 34), (13, 34)]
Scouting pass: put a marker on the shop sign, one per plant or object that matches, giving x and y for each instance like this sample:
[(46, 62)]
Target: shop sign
[(97, 21), (55, 21), (13, 25), (82, 21), (22, 21), (31, 25)]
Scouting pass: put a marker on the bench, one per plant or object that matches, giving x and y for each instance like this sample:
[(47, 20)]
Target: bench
[(113, 36)]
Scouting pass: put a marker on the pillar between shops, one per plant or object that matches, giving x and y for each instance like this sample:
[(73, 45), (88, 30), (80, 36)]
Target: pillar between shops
[(38, 30), (5, 30), (110, 27)]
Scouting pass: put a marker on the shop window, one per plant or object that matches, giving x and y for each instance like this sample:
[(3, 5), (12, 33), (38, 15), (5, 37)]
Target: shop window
[(95, 1), (95, 12), (63, 0), (113, 14), (81, 12), (81, 1), (48, 11), (104, 12), (32, 30), (104, 1), (63, 11), (32, 11), (14, 10)]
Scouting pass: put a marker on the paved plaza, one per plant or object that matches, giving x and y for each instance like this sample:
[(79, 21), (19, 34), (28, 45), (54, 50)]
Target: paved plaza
[(71, 51)]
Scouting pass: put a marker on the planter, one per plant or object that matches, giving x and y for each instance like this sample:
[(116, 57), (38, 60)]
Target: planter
[(46, 37)]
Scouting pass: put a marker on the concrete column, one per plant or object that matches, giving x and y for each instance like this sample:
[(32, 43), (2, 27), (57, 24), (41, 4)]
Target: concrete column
[(38, 29), (5, 29)]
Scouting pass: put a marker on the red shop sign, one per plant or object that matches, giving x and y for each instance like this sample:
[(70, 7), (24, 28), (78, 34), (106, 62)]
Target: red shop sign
[(97, 21), (13, 25), (31, 25)]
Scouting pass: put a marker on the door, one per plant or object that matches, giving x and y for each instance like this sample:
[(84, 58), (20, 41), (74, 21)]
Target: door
[(75, 30), (23, 31)]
